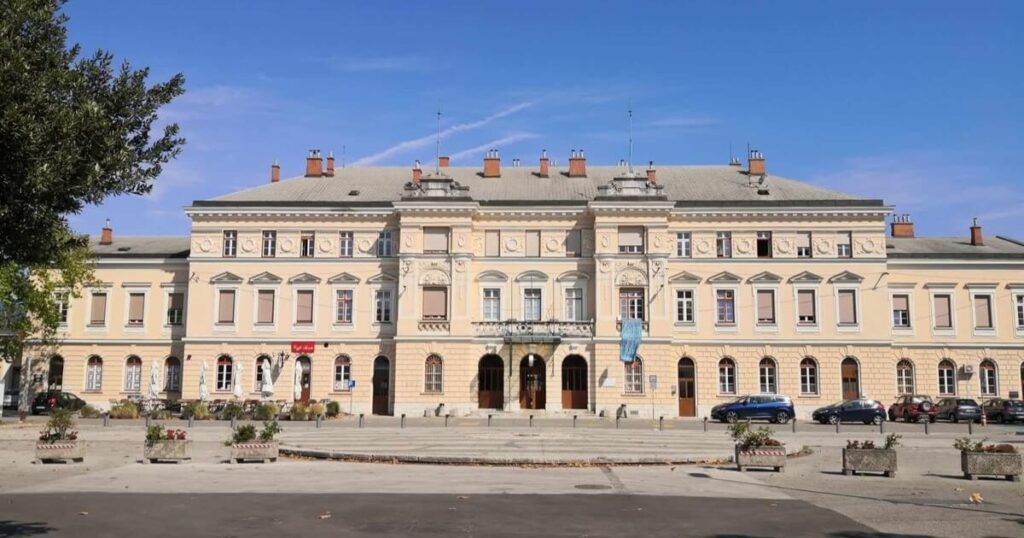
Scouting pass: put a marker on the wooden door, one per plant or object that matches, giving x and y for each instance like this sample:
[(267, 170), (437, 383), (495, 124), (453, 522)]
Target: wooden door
[(491, 383), (305, 380), (381, 386), (850, 379), (687, 388), (55, 379), (574, 383), (531, 383)]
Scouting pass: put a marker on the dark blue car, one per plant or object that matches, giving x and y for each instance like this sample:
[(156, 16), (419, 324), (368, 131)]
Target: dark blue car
[(770, 407), (857, 410)]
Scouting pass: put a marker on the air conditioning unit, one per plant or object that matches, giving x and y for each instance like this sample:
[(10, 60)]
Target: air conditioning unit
[(968, 369)]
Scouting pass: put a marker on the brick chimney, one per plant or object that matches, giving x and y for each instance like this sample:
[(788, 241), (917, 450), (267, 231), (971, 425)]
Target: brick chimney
[(902, 226), (330, 165), (314, 164), (756, 166), (577, 164), (443, 161), (976, 238), (545, 167), (651, 176), (492, 164), (107, 236), (275, 172), (417, 173)]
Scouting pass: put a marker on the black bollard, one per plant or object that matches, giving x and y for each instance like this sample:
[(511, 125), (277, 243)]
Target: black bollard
[(360, 420), (970, 427), (531, 421), (661, 423), (705, 424), (191, 421), (837, 426), (881, 427), (403, 420), (446, 420), (318, 417), (574, 421), (106, 420), (926, 422), (617, 421), (794, 425), (232, 423), (489, 420)]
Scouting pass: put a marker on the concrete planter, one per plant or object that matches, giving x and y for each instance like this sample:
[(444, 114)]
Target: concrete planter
[(254, 451), (870, 460), (991, 464), (65, 451), (774, 457), (175, 450)]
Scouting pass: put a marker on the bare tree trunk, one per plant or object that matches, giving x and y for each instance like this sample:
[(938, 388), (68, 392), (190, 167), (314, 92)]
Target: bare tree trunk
[(24, 391)]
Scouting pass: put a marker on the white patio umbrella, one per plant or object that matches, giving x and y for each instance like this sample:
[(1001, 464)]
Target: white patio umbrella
[(297, 389), (204, 392), (154, 381), (268, 384), (237, 389)]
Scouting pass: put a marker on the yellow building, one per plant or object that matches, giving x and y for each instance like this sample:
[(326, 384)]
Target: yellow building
[(482, 289)]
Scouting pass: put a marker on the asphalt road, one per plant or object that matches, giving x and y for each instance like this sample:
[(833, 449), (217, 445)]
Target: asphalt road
[(256, 515)]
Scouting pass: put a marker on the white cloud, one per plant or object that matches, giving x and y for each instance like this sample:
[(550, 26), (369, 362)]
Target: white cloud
[(493, 144), (174, 177)]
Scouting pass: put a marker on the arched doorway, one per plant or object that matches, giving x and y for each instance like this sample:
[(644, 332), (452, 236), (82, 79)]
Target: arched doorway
[(850, 374), (531, 382), (381, 386), (55, 379), (491, 382), (687, 388), (574, 382), (306, 366)]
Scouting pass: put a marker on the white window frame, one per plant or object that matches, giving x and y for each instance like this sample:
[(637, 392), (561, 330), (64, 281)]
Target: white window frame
[(633, 382), (129, 290), (983, 291), (303, 327), (725, 252), (758, 325), (581, 315), (721, 326), (440, 375), (385, 244), (390, 305), (346, 376), (217, 325), (732, 388), (1017, 310), (484, 299), (901, 382), (692, 322), (62, 297), (901, 330), (684, 244), (168, 290), (266, 240), (312, 244), (804, 376), (939, 377), (225, 251), (844, 239), (761, 377), (810, 245), (351, 250), (632, 250), (771, 245), (854, 327), (264, 327), (644, 314), (130, 384), (982, 382), (89, 377), (807, 327), (522, 302), (167, 387), (217, 376), (89, 327), (951, 292), (349, 325)]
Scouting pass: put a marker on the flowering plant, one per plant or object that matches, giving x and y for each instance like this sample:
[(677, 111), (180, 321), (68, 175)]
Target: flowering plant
[(156, 433)]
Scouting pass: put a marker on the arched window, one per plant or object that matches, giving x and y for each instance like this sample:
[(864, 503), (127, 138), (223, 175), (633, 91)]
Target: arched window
[(727, 376), (342, 373), (808, 376), (172, 374), (257, 378), (947, 378), (133, 374), (94, 374), (634, 376), (904, 377), (225, 373), (988, 378), (432, 375), (768, 376)]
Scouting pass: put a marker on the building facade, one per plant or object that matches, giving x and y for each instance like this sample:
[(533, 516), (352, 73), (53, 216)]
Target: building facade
[(482, 290)]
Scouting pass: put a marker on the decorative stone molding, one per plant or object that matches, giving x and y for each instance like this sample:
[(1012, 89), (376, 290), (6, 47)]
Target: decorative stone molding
[(631, 277), (704, 246), (552, 244), (248, 245), (324, 245), (287, 245), (744, 246)]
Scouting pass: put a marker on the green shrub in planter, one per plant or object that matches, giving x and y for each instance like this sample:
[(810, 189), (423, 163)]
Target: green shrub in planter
[(300, 411), (316, 410), (232, 410), (89, 411), (196, 410), (159, 414), (333, 409), (265, 411), (125, 410)]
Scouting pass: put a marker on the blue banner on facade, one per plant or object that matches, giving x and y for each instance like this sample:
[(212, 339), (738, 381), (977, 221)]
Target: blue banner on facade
[(632, 332)]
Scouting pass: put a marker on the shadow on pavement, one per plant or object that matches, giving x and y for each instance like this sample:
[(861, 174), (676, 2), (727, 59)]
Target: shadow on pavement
[(11, 529)]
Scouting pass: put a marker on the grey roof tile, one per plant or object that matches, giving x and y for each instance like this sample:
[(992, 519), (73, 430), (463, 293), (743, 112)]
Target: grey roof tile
[(953, 247), (142, 246)]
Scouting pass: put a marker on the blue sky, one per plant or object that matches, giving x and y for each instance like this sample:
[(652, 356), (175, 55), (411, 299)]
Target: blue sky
[(918, 103)]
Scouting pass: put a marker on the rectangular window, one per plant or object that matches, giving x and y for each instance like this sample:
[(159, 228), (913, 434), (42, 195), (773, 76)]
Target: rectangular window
[(265, 306), (847, 307), (631, 239), (384, 247), (723, 244), (725, 307), (684, 247), (1020, 311), (983, 312), (844, 245), (98, 309), (684, 306), (901, 311), (345, 243), (304, 307), (492, 243), (435, 240), (269, 244), (806, 308), (175, 308), (631, 303), (573, 243), (766, 307), (574, 304), (136, 308), (943, 311), (533, 243), (226, 307), (383, 306), (803, 245), (492, 304), (342, 374), (726, 377), (532, 305), (230, 243), (343, 307), (435, 303), (307, 245), (61, 299), (764, 244)]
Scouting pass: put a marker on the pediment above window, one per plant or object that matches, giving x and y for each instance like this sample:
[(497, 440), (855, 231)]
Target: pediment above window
[(570, 276), (226, 278), (304, 278), (725, 276), (766, 277), (806, 276), (845, 277), (343, 278), (684, 277), (532, 276), (382, 277), (492, 276), (265, 277)]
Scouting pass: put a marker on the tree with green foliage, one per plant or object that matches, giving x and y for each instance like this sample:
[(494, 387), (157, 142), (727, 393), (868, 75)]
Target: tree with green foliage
[(74, 130)]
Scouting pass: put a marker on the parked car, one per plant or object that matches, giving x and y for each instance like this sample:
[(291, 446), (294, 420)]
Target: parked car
[(859, 410), (957, 409), (1003, 410), (770, 407), (912, 408), (45, 401)]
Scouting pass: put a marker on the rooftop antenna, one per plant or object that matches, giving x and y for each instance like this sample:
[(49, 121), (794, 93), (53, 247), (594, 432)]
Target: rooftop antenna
[(343, 155), (629, 161), (730, 153), (437, 159)]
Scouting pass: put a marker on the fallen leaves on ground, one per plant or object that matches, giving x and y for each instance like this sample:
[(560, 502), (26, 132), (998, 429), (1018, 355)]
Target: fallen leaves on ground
[(83, 513), (976, 498), (325, 515)]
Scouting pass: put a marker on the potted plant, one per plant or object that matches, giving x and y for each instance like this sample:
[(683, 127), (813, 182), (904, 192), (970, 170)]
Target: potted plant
[(166, 445), (865, 457), (247, 445), (58, 442), (977, 458), (757, 448)]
